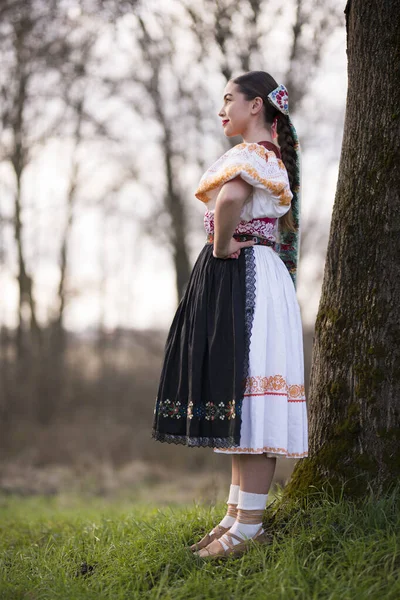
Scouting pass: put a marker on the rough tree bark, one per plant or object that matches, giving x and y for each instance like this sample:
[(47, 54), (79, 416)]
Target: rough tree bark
[(354, 399)]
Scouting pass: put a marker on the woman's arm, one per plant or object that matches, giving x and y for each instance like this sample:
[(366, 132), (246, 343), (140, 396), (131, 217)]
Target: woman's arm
[(229, 204)]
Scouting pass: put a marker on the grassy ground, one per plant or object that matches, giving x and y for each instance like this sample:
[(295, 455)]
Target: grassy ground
[(72, 549)]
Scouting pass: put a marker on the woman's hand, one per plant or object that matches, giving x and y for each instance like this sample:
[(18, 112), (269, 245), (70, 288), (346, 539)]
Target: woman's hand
[(232, 250)]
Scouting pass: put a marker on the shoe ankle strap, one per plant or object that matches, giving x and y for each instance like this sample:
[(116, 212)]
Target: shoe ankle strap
[(250, 516), (232, 510)]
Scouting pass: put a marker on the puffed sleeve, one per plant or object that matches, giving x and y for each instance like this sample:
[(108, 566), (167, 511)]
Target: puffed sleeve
[(270, 196)]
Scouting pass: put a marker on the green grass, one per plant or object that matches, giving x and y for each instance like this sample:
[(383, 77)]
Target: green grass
[(333, 550)]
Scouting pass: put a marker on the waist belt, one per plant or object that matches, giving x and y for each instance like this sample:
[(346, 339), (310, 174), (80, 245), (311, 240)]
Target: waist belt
[(244, 237)]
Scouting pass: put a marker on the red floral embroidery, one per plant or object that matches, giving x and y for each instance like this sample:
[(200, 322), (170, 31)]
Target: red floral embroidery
[(265, 227), (275, 385)]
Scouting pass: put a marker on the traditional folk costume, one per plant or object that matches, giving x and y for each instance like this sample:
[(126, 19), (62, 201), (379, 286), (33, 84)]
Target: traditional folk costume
[(233, 371)]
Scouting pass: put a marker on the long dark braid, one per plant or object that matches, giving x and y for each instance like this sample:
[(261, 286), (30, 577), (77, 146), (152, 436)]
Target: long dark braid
[(260, 83), (288, 153)]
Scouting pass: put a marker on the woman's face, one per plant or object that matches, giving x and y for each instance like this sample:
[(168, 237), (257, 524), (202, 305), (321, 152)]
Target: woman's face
[(236, 111)]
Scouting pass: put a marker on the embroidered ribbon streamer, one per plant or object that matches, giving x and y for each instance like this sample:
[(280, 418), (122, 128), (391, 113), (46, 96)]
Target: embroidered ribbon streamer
[(290, 241)]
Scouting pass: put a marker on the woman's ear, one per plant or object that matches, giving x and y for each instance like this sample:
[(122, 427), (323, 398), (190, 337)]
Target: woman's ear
[(274, 132), (257, 104)]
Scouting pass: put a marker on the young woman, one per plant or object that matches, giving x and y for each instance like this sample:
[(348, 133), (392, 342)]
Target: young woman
[(233, 372)]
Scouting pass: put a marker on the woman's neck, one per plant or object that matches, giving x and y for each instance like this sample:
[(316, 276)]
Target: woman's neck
[(258, 136)]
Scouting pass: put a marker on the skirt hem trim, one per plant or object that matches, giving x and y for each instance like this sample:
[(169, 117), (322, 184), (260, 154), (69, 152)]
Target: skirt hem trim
[(265, 450), (193, 442)]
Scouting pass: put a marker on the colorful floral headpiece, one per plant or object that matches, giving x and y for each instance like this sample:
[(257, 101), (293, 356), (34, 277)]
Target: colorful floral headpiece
[(279, 97)]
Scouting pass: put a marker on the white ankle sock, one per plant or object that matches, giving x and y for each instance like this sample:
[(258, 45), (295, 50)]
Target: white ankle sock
[(233, 498), (247, 501)]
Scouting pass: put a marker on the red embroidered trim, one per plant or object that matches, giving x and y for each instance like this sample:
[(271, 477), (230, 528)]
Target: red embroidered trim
[(275, 385)]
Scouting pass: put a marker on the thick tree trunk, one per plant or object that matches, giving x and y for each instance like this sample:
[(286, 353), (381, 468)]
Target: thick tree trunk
[(354, 399)]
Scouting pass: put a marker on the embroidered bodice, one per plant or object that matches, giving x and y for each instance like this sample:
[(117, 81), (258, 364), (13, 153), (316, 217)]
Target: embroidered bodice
[(260, 165), (265, 227)]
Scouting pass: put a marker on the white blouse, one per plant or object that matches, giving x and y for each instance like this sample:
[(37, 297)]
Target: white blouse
[(271, 195)]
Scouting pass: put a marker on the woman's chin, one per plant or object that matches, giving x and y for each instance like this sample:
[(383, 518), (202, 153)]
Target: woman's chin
[(228, 133)]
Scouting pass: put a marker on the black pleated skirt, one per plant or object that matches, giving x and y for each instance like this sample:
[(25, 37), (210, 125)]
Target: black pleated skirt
[(206, 357)]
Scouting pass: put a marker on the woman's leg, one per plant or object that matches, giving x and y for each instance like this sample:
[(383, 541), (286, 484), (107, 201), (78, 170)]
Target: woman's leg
[(233, 499), (256, 472), (255, 476), (235, 470)]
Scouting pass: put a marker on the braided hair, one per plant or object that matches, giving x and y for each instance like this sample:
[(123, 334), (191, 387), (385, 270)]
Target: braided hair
[(260, 83)]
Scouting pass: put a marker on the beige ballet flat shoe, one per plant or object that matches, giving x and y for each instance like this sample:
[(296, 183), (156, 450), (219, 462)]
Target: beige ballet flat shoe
[(243, 546), (216, 533)]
